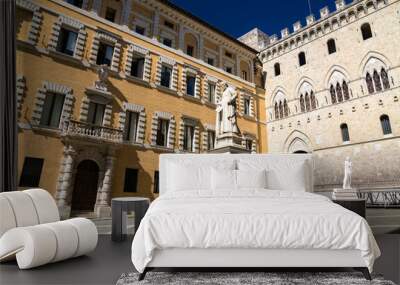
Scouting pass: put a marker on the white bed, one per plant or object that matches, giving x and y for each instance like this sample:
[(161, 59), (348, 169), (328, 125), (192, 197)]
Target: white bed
[(201, 219)]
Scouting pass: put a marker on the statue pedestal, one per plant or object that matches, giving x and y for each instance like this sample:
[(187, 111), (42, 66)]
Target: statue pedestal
[(229, 143), (345, 194)]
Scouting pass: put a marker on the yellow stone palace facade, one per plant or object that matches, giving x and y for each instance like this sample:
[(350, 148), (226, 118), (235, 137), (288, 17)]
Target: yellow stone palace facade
[(105, 86)]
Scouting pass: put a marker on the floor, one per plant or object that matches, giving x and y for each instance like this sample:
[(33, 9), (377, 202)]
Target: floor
[(110, 260)]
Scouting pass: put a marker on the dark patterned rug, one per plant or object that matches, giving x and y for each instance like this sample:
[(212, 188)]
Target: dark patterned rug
[(243, 278)]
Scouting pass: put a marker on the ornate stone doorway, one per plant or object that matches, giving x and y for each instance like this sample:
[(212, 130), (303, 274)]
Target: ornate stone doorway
[(85, 186)]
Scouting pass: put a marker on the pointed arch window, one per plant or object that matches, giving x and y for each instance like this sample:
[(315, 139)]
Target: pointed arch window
[(277, 69), (370, 85), (385, 79), (346, 93), (333, 94), (280, 110), (313, 102), (276, 111), (285, 108), (366, 31), (339, 92), (385, 123), (345, 132), (308, 105), (302, 107), (377, 81)]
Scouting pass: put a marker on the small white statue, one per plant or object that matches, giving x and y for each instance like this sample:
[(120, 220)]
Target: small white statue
[(347, 173), (226, 111), (102, 74)]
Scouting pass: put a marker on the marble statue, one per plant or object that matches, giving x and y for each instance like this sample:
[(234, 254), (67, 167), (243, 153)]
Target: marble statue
[(102, 73), (226, 111), (347, 173)]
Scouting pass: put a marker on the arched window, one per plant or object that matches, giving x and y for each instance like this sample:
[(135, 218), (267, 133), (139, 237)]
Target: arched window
[(366, 31), (377, 81), (280, 110), (285, 108), (331, 46), (333, 94), (385, 79), (345, 132), (346, 93), (339, 92), (385, 123), (277, 69), (276, 111), (308, 105), (370, 85), (313, 102), (302, 108), (302, 58)]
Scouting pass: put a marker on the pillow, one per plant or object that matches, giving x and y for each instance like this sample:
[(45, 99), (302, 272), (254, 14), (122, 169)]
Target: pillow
[(223, 179), (294, 179), (251, 178), (189, 176)]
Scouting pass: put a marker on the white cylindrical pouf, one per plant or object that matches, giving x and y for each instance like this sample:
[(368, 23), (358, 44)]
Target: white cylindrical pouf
[(87, 235)]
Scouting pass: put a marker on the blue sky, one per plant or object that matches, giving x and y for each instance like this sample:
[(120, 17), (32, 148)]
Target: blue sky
[(238, 17)]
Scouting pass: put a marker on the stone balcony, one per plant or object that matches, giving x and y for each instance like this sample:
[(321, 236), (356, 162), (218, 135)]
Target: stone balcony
[(84, 131)]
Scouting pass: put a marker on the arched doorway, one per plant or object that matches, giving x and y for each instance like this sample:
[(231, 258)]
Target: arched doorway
[(85, 188)]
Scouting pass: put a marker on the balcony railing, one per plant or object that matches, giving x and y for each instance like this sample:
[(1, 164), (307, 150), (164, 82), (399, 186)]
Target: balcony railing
[(74, 128)]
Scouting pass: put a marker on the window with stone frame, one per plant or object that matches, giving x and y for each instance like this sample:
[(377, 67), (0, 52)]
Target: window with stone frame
[(53, 105), (244, 74), (67, 41), (110, 14), (131, 180), (302, 58), (366, 31), (137, 66), (246, 105), (285, 108), (68, 37), (52, 110), (106, 49), (138, 63), (308, 103), (277, 69), (280, 109), (166, 76), (210, 139), (104, 54), (188, 138), (96, 113), (132, 121), (189, 50), (228, 69), (190, 85), (333, 94), (331, 46), (131, 126), (339, 93), (34, 23), (211, 92), (162, 132), (210, 61), (345, 132), (276, 108), (385, 124)]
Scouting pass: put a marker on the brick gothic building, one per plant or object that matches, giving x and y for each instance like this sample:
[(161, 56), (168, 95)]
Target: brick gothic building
[(333, 90), (86, 140)]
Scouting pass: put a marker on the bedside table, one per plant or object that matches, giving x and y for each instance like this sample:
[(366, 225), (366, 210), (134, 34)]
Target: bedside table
[(357, 206)]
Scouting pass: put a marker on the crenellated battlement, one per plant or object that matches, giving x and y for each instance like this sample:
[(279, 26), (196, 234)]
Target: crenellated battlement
[(315, 28)]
